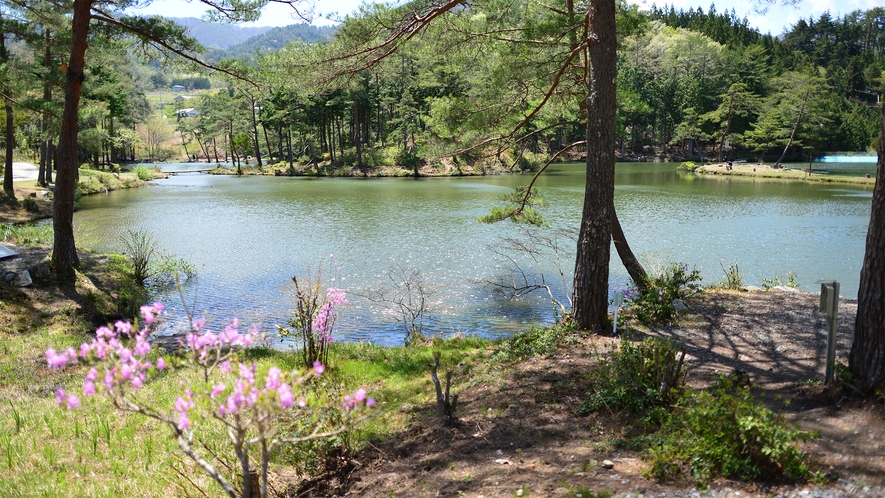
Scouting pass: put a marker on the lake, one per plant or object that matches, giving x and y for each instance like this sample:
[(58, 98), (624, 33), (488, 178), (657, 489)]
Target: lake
[(248, 236)]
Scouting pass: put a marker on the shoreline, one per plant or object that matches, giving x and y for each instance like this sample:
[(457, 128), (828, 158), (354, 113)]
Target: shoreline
[(754, 170)]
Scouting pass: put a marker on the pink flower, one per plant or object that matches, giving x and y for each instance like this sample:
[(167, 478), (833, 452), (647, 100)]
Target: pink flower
[(370, 402), (318, 368), (161, 364), (148, 313), (360, 395), (56, 360), (69, 400), (89, 388), (287, 400)]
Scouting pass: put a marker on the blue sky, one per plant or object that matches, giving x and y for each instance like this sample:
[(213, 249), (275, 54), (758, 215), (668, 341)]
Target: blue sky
[(774, 21)]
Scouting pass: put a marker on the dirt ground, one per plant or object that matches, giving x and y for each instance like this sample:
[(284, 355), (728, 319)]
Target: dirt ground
[(520, 432)]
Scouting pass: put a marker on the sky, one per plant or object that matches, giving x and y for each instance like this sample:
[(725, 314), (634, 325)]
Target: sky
[(775, 21)]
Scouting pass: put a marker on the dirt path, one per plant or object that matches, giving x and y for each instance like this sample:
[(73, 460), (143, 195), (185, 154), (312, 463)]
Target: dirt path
[(521, 432)]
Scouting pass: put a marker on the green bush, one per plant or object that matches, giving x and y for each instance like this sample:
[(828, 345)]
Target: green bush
[(733, 278), (727, 433), (768, 283), (687, 166), (143, 173), (645, 377), (656, 304), (30, 204), (536, 343)]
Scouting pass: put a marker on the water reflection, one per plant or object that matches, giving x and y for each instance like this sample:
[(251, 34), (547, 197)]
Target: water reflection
[(247, 236)]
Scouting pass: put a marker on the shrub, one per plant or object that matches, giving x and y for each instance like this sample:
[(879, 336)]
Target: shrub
[(658, 303), (229, 393), (639, 377), (733, 278), (314, 317), (687, 166), (143, 173), (726, 432), (30, 205), (150, 264), (536, 343), (768, 283)]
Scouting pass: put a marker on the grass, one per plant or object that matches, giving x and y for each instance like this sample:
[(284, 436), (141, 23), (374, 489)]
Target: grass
[(98, 451)]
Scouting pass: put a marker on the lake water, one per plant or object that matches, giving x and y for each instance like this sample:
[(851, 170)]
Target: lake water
[(248, 236)]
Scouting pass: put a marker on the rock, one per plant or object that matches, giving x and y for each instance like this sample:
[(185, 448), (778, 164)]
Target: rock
[(23, 279), (784, 288), (519, 492), (40, 270), (608, 464), (9, 276), (679, 306)]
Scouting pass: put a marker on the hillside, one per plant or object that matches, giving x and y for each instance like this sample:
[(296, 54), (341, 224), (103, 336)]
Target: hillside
[(219, 36), (273, 40)]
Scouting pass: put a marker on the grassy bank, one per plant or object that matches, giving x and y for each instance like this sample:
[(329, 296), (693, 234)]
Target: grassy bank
[(767, 171), (34, 202)]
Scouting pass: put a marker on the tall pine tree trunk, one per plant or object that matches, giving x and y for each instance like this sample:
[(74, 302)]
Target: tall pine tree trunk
[(64, 251), (867, 357), (590, 303)]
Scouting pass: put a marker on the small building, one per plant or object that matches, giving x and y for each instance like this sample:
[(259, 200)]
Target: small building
[(178, 88), (181, 98), (189, 112)]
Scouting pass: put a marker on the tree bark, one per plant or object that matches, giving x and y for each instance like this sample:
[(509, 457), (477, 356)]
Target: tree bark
[(10, 125), (590, 301), (633, 266), (867, 356), (10, 147), (64, 251), (795, 127)]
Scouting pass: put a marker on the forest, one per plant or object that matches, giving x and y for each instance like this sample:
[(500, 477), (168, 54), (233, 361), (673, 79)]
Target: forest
[(488, 87)]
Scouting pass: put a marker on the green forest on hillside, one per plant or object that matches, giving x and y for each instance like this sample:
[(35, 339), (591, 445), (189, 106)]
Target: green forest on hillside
[(492, 85)]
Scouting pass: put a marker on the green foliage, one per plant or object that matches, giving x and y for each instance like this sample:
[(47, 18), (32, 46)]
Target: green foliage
[(687, 166), (152, 265), (726, 433), (27, 235), (142, 250), (145, 173), (645, 377), (656, 304), (520, 209), (30, 204), (768, 283), (533, 344), (733, 278)]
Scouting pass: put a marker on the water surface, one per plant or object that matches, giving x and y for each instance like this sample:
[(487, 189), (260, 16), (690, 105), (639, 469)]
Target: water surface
[(248, 236)]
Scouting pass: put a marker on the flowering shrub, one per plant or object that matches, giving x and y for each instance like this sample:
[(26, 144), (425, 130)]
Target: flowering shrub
[(314, 317), (657, 304), (248, 402)]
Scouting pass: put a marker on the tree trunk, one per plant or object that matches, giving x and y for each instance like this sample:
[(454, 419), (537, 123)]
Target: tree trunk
[(867, 357), (795, 127), (255, 131), (633, 266), (10, 125), (590, 301), (64, 251), (356, 138), (10, 147)]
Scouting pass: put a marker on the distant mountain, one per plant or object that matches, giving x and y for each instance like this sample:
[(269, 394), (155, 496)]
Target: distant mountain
[(273, 40), (219, 36)]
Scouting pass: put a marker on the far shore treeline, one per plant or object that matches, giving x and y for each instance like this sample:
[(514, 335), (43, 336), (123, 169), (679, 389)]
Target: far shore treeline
[(690, 84)]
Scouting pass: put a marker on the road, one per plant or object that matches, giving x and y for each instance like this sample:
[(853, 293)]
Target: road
[(23, 172)]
